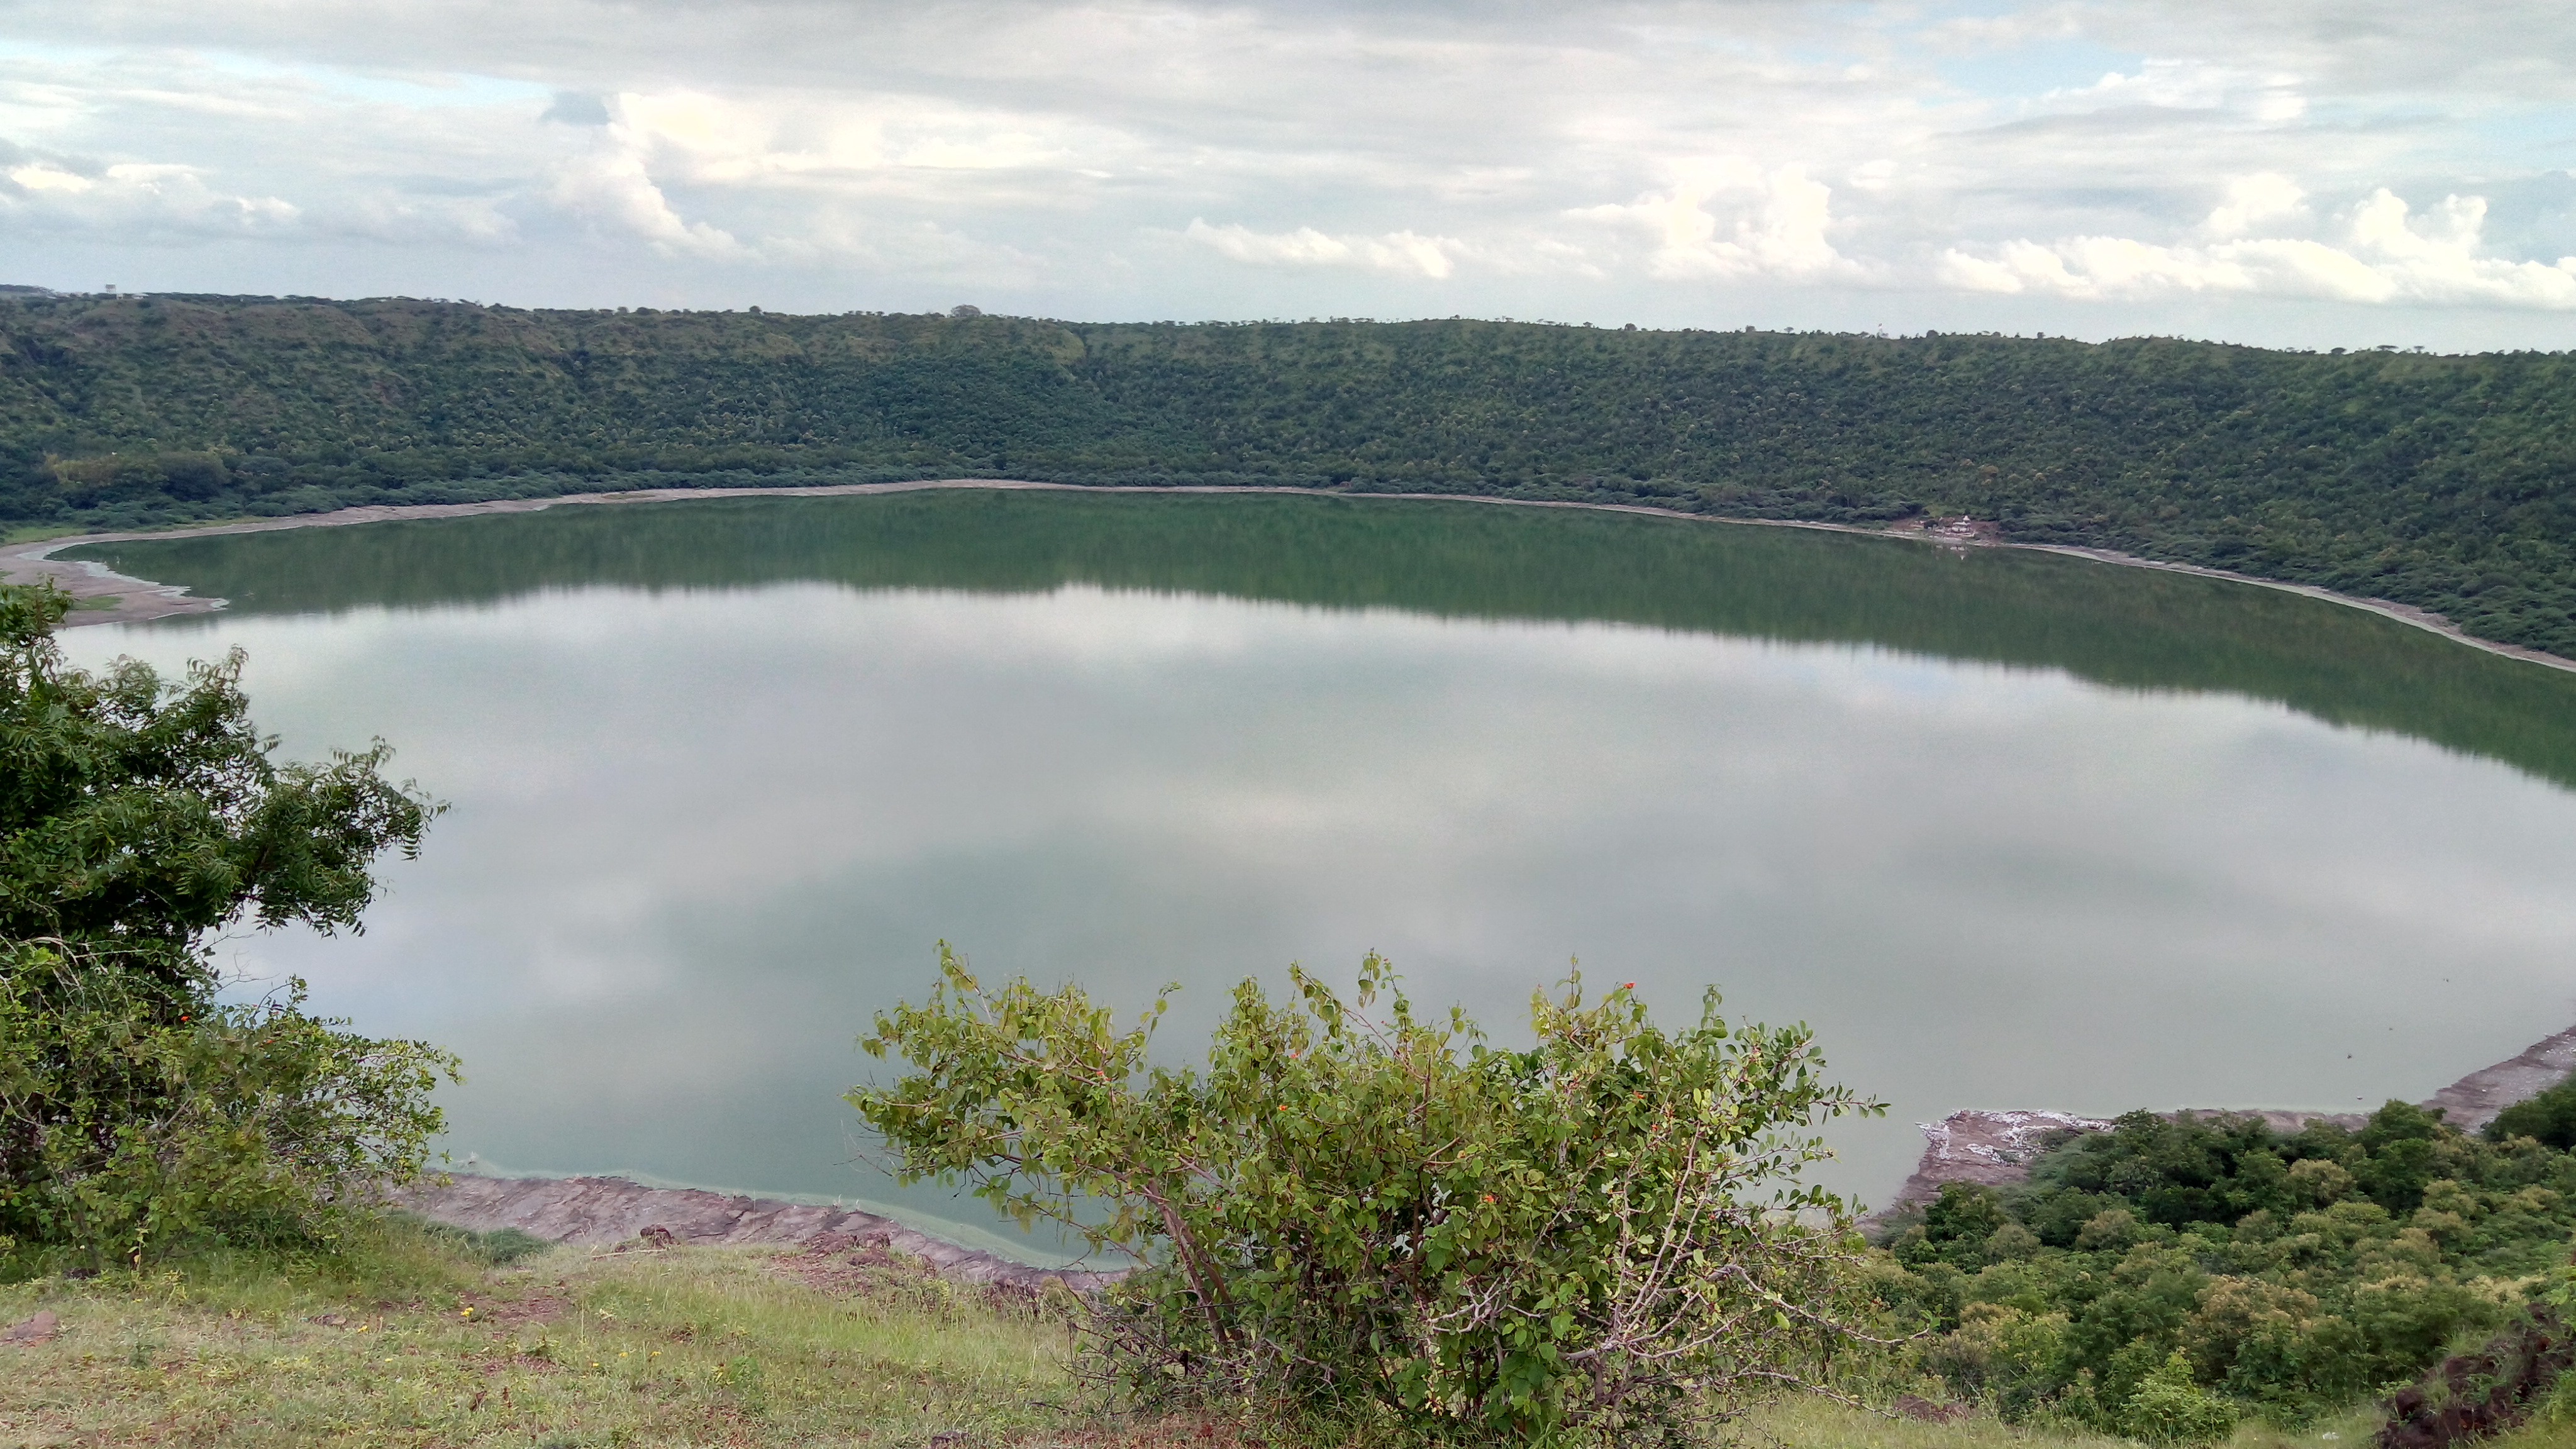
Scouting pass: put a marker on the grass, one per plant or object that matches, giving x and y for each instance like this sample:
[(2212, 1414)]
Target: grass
[(2555, 1432), (1818, 1425), (33, 532), (38, 532), (416, 1335), (1815, 1424)]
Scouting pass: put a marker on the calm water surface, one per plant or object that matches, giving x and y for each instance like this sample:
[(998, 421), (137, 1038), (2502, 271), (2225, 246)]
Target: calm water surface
[(2007, 829)]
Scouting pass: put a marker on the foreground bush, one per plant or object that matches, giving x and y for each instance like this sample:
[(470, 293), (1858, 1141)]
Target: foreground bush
[(125, 1125), (1603, 1237), (137, 1107)]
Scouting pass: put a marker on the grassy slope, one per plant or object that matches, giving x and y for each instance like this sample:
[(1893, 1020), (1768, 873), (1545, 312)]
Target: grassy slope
[(416, 1342), (1825, 1426), (2444, 482), (417, 1338)]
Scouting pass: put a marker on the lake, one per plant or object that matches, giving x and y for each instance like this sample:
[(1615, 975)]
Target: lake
[(2007, 828)]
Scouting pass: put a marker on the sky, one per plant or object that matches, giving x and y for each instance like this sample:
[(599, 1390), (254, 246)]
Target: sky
[(2291, 172)]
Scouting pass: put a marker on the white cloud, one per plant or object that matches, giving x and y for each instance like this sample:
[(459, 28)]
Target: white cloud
[(2252, 200), (612, 188), (173, 204), (140, 200), (1402, 252), (1785, 160), (47, 176), (415, 220), (1773, 222), (2188, 84), (2383, 255)]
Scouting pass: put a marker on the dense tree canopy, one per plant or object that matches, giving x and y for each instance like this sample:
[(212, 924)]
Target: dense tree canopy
[(2445, 482), (2292, 1272), (133, 814)]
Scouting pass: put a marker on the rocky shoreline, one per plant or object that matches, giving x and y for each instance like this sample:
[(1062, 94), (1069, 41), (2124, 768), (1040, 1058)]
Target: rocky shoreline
[(1995, 1147), (1979, 1145), (601, 1211)]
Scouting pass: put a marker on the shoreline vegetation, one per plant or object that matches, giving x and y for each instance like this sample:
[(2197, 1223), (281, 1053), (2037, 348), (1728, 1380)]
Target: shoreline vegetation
[(106, 597), (740, 1328)]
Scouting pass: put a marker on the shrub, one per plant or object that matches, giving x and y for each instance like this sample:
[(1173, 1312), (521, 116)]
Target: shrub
[(1601, 1237), (2169, 1410), (126, 1124), (2549, 1118)]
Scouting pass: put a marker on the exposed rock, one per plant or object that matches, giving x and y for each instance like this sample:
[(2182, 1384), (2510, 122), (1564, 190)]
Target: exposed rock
[(2474, 1395), (607, 1210), (1915, 1406), (1993, 1148), (2474, 1100), (36, 1329)]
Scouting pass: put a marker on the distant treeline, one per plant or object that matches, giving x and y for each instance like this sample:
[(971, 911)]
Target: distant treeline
[(2444, 482)]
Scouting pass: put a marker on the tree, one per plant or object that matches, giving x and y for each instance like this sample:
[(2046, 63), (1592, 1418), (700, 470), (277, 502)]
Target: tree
[(137, 1106), (1601, 1237), (2548, 1118), (138, 815)]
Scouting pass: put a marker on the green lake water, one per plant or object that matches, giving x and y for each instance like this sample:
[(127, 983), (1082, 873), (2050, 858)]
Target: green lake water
[(2008, 829)]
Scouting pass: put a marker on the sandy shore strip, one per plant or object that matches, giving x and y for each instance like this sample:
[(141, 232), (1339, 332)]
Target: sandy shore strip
[(116, 599)]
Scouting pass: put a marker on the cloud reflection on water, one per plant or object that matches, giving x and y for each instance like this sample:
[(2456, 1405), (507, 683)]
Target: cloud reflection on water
[(700, 836)]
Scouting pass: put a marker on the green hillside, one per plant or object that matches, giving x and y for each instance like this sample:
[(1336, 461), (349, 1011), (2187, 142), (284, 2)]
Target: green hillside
[(2445, 482)]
